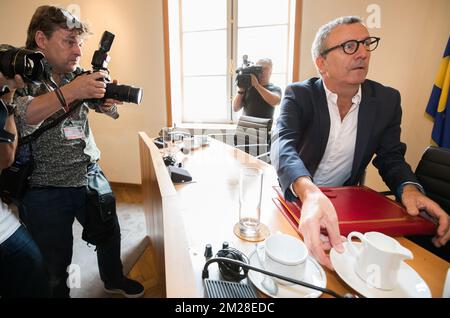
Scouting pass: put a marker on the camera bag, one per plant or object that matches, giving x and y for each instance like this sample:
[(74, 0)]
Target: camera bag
[(101, 218)]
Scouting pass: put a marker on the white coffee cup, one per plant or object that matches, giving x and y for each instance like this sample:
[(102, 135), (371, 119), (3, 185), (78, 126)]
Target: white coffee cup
[(379, 258), (285, 255)]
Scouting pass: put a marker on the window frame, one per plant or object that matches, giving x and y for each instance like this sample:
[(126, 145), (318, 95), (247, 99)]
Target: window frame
[(293, 58)]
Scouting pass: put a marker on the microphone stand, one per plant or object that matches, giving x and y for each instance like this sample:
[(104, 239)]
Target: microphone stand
[(205, 274)]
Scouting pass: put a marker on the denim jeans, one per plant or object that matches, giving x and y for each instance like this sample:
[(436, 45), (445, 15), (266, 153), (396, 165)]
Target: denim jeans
[(22, 270), (49, 214)]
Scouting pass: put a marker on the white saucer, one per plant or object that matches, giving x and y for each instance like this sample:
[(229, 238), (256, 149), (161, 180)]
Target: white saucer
[(314, 275), (410, 284)]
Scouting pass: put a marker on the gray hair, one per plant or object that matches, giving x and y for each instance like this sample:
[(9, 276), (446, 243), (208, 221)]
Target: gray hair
[(265, 61), (318, 45)]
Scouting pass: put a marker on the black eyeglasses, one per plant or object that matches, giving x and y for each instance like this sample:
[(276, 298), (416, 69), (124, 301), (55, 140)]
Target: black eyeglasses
[(351, 46)]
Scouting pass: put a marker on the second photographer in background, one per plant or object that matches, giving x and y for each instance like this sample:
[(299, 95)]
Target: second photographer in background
[(22, 270), (258, 97), (64, 154)]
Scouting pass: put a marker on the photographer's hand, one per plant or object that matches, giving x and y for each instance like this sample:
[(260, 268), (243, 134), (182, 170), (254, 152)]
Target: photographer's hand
[(85, 87), (110, 105), (12, 84), (255, 82), (271, 98), (110, 102)]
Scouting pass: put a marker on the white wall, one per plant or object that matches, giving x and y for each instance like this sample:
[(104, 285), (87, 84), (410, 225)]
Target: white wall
[(137, 58), (413, 38)]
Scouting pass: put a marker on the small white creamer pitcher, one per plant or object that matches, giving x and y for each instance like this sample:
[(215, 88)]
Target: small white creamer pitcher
[(379, 258)]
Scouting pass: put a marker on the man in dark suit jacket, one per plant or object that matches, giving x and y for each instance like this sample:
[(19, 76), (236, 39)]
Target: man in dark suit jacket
[(330, 128)]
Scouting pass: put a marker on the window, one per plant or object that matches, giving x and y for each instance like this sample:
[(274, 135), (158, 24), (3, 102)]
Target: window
[(207, 41)]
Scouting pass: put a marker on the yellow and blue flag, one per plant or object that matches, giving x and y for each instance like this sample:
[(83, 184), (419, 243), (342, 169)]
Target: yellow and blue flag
[(439, 104)]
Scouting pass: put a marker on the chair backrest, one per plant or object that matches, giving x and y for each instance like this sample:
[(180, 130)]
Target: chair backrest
[(433, 173), (254, 134), (257, 129)]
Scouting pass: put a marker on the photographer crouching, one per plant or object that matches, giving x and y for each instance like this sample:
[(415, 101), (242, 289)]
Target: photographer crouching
[(255, 93), (22, 270), (65, 155)]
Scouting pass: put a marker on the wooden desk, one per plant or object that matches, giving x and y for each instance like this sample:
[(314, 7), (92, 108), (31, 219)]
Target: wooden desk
[(182, 219)]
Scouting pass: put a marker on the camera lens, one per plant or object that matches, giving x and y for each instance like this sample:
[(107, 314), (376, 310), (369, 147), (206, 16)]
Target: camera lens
[(124, 93), (26, 63)]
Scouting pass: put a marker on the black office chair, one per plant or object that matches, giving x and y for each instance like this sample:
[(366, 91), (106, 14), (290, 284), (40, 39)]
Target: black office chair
[(433, 173), (252, 135)]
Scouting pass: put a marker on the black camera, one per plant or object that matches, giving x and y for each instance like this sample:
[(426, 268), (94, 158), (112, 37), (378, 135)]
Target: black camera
[(26, 63), (243, 78), (100, 60)]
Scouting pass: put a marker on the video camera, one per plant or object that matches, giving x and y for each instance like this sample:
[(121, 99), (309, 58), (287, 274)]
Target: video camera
[(26, 63), (100, 60), (243, 79)]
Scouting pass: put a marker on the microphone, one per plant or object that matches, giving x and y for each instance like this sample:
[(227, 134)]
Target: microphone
[(245, 60), (244, 265)]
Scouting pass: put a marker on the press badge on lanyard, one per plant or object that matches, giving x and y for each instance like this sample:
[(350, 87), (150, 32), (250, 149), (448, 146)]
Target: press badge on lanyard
[(73, 132)]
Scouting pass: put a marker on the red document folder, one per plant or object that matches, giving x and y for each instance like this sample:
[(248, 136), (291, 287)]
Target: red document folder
[(362, 209)]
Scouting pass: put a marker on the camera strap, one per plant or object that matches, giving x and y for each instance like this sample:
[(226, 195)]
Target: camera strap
[(61, 99), (74, 106)]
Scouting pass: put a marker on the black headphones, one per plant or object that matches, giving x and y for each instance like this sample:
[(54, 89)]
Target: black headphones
[(232, 272)]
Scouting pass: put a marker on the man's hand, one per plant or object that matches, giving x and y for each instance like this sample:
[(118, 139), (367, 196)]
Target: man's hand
[(110, 103), (106, 107), (255, 82), (86, 86), (270, 98), (415, 201), (12, 84), (318, 213)]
